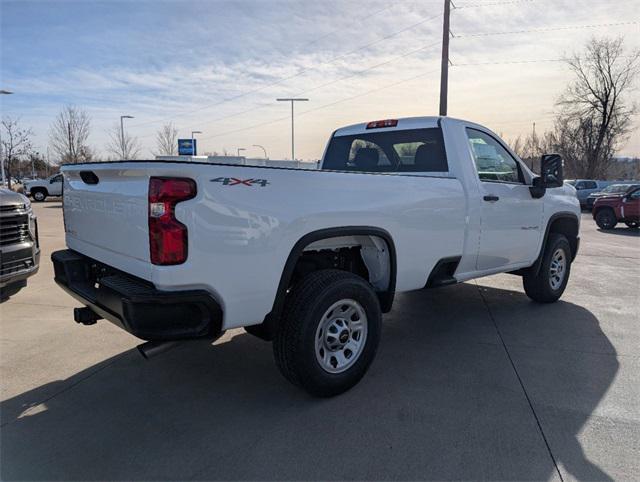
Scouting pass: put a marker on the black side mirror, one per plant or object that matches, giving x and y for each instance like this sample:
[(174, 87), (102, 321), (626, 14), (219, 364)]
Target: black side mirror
[(551, 170)]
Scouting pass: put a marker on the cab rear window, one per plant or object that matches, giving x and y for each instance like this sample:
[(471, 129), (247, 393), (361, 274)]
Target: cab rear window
[(415, 150)]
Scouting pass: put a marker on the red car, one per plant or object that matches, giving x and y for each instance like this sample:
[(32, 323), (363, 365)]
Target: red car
[(609, 210)]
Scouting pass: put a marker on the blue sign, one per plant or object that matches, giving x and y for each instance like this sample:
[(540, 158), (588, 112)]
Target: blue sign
[(187, 147)]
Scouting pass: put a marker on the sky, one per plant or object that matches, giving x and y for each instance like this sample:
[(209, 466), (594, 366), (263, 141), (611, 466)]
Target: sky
[(218, 66)]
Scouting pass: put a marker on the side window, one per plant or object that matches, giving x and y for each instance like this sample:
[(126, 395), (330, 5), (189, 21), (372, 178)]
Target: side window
[(590, 185), (635, 194), (57, 178), (493, 162)]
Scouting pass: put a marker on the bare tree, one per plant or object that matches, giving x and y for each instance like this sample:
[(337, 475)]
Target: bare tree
[(123, 147), (16, 143), (68, 135), (595, 116), (167, 141)]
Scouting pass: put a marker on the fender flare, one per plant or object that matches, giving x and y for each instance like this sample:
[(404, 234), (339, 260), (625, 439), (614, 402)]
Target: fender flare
[(535, 267), (386, 297)]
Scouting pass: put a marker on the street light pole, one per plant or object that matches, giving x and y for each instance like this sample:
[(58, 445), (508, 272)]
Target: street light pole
[(263, 149), (2, 92), (122, 143), (292, 100), (193, 146)]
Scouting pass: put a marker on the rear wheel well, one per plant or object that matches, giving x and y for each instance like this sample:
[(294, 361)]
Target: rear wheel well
[(365, 255), (365, 252), (603, 208)]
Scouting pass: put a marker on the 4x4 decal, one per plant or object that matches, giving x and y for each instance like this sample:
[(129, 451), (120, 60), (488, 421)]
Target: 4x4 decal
[(232, 181)]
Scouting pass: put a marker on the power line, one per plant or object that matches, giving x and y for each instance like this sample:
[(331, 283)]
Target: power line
[(476, 5), (324, 106), (299, 73), (326, 84), (546, 29), (508, 62), (528, 61)]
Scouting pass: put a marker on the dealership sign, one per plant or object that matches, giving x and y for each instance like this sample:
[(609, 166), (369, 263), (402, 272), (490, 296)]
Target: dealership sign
[(187, 147)]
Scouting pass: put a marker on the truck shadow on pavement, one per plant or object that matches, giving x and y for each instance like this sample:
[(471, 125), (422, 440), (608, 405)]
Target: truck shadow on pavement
[(635, 233), (441, 401)]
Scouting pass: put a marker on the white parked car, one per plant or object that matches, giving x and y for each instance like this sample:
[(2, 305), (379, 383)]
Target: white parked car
[(40, 189), (312, 258)]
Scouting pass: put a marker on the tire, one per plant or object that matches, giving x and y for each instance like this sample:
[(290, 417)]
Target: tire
[(632, 224), (547, 286), (39, 195), (304, 349), (606, 219)]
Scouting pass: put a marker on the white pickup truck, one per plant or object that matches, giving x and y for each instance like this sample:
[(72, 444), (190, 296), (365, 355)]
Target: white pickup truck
[(311, 258), (40, 189)]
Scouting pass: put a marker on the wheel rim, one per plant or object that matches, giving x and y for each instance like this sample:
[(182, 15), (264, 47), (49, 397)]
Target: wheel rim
[(557, 269), (38, 196), (341, 336), (606, 220)]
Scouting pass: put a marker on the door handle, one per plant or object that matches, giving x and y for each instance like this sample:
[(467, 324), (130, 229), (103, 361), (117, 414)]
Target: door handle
[(491, 198)]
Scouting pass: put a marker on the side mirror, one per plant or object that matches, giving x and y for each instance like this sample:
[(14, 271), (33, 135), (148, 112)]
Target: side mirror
[(551, 170)]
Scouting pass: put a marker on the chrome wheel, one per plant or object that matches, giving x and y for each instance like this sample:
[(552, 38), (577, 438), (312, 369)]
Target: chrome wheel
[(557, 269), (341, 336), (38, 196)]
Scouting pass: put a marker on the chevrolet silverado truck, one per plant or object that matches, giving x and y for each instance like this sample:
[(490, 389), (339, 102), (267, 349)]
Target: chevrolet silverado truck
[(621, 207), (40, 189), (19, 248), (310, 259)]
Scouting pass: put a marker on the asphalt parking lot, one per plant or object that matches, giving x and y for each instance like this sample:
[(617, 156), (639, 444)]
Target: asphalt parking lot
[(472, 381)]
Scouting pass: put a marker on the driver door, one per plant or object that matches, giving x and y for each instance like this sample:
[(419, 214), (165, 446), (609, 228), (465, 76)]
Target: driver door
[(510, 218), (55, 185)]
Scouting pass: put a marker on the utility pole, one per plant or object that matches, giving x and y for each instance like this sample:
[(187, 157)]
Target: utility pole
[(292, 100), (444, 69)]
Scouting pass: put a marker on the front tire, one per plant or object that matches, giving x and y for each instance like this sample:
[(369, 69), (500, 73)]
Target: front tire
[(551, 280), (329, 332), (606, 219)]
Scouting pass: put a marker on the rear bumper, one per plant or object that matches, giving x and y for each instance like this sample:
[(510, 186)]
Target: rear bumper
[(136, 305)]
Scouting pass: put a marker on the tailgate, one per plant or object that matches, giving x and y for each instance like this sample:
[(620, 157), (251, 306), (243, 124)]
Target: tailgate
[(108, 220)]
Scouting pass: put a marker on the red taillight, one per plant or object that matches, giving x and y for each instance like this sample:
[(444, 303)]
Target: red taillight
[(167, 235), (382, 123)]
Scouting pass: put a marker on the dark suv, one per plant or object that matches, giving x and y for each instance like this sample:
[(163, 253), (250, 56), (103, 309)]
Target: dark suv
[(19, 248)]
